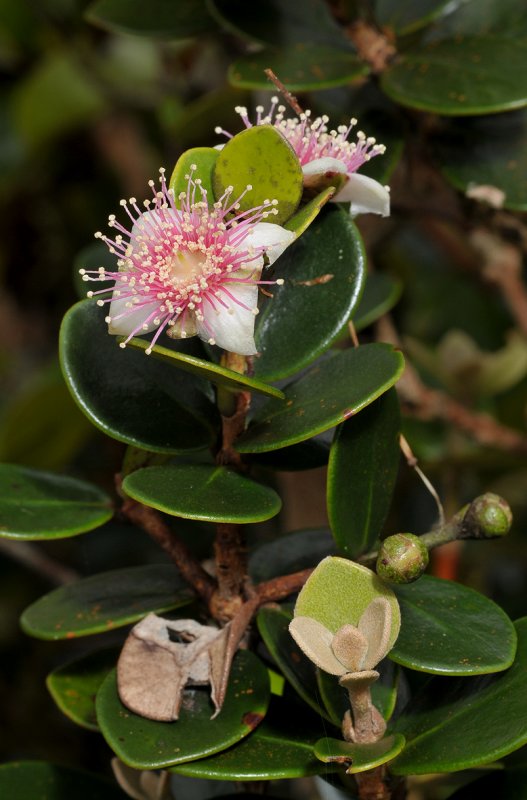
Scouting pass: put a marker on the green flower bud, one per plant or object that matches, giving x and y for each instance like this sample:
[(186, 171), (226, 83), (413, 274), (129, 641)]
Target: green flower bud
[(402, 558), (487, 517)]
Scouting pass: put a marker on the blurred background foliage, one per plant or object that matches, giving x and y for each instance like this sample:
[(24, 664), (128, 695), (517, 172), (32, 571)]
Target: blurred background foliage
[(95, 96)]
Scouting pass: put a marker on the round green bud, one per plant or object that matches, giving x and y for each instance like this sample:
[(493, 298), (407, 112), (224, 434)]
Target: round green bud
[(487, 517), (402, 558)]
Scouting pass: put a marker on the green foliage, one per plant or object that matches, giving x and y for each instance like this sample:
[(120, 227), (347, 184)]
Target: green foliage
[(21, 779)]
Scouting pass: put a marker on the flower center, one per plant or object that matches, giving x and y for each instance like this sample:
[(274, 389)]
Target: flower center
[(185, 266)]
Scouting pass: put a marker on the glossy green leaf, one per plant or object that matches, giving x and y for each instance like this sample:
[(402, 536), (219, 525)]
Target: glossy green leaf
[(29, 780), (164, 18), (338, 592), (273, 625), (472, 75), (324, 274), (203, 159), (42, 505), (332, 391), (381, 293), (301, 67), (214, 494), (74, 686), (280, 22), (476, 17), (281, 747), (458, 723), (132, 398), (510, 784), (260, 157), (383, 692), (449, 629), (362, 471), (145, 744), (359, 757), (221, 376), (290, 553), (472, 159), (406, 16), (106, 601)]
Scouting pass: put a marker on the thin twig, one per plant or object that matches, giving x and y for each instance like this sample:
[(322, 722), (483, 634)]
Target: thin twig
[(278, 588), (411, 460), (288, 97), (30, 556)]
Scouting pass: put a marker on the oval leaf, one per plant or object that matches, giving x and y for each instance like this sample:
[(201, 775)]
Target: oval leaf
[(301, 321), (360, 757), (74, 686), (260, 157), (27, 780), (145, 744), (281, 747), (213, 494), (362, 471), (332, 391), (203, 159), (478, 720), (164, 19), (479, 75), (406, 16), (290, 553), (338, 592), (130, 397), (449, 629), (221, 376), (42, 505), (302, 67), (106, 601)]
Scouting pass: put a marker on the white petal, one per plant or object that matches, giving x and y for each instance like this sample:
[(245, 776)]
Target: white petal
[(131, 321), (149, 224), (273, 237), (365, 195), (233, 327), (319, 166)]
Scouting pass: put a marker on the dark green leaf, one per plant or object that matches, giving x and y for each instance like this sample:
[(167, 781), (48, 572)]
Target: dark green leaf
[(332, 391), (381, 293), (280, 22), (127, 395), (74, 686), (42, 505), (324, 273), (406, 16), (282, 747), (359, 757), (303, 218), (273, 625), (162, 18), (309, 454), (290, 553), (214, 494), (145, 744), (301, 67), (486, 152), (203, 159), (449, 629), (362, 471), (221, 376), (260, 157), (29, 780), (106, 601), (476, 17), (478, 75), (458, 723)]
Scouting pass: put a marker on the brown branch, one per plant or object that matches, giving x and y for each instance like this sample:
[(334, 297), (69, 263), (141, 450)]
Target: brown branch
[(373, 46), (230, 555), (288, 97), (279, 588), (429, 404), (152, 523)]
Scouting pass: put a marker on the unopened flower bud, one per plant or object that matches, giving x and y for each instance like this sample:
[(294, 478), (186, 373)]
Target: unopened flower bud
[(487, 517), (402, 558)]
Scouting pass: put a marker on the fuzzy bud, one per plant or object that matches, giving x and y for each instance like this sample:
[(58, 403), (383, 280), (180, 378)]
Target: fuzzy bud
[(402, 558), (488, 517)]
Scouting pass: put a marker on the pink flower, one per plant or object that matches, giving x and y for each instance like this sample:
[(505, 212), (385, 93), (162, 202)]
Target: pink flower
[(324, 152), (190, 268)]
